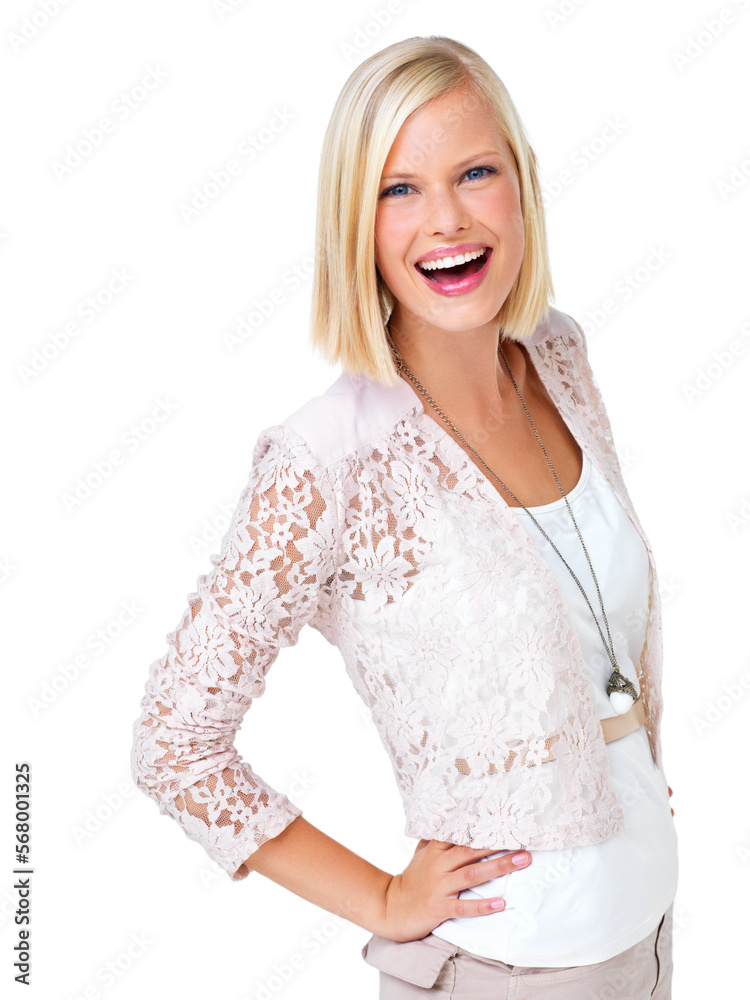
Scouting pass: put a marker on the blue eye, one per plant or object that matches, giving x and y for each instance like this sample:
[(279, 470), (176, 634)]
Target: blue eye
[(393, 189), (399, 190), (472, 170)]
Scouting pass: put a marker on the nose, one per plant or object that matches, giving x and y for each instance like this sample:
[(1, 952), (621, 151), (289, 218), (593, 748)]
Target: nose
[(446, 212)]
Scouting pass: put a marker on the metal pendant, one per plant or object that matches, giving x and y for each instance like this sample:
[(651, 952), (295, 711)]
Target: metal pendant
[(619, 684)]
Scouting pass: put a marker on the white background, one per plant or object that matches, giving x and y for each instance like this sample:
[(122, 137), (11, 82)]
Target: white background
[(671, 359)]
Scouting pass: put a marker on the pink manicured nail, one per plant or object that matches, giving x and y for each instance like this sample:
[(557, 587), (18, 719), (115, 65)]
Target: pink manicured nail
[(520, 859), (497, 904)]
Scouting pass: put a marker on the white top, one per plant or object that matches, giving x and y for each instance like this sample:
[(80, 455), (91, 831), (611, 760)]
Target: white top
[(586, 904)]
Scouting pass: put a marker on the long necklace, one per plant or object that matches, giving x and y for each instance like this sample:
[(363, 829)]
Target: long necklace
[(618, 686)]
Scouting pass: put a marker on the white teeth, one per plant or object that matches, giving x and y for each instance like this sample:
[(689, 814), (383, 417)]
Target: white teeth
[(441, 262)]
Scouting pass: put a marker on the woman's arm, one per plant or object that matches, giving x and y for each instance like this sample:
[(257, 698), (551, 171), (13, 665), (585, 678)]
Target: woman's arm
[(275, 570), (318, 868), (403, 907)]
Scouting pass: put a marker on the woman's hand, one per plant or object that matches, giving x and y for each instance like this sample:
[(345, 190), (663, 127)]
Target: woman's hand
[(426, 892)]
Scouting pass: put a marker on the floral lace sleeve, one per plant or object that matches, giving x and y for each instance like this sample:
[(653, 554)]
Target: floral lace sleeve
[(274, 573)]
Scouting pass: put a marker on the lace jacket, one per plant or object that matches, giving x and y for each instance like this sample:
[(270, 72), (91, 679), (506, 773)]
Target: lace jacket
[(364, 519)]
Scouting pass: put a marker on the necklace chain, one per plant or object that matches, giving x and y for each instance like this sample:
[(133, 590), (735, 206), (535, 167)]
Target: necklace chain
[(617, 682)]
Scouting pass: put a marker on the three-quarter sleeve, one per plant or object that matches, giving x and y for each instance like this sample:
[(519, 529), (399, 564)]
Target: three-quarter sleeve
[(275, 572)]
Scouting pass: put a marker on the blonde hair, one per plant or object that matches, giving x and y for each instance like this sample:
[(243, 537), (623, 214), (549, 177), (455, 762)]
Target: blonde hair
[(350, 302)]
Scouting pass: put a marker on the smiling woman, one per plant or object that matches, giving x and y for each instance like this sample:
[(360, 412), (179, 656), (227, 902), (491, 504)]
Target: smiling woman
[(477, 197), (522, 725), (413, 134)]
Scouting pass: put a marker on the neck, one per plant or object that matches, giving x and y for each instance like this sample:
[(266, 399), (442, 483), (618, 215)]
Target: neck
[(463, 371)]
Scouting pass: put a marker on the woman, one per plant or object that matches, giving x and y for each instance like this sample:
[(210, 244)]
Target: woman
[(451, 514)]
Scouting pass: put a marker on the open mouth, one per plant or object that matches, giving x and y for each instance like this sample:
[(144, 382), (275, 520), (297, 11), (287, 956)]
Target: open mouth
[(457, 272)]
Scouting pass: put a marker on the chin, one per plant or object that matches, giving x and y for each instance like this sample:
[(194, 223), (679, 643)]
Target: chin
[(456, 319)]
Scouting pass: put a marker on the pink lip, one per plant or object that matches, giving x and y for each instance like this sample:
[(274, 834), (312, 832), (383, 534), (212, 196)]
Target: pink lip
[(462, 285), (453, 251)]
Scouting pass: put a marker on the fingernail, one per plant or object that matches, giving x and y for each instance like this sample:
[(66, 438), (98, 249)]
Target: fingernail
[(520, 859), (497, 904)]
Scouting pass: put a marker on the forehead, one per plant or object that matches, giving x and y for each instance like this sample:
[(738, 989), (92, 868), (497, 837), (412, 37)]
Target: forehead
[(452, 123)]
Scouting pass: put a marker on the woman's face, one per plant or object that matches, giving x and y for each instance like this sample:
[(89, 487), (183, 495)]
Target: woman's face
[(449, 187)]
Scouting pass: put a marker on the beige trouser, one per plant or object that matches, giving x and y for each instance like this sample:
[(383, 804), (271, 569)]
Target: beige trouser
[(412, 969)]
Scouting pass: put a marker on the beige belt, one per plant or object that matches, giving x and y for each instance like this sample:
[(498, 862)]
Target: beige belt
[(614, 728), (541, 752), (620, 725)]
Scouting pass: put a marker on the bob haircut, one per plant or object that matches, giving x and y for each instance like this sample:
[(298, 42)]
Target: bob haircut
[(351, 303)]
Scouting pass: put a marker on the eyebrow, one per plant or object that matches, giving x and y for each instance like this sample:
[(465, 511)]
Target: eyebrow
[(463, 163)]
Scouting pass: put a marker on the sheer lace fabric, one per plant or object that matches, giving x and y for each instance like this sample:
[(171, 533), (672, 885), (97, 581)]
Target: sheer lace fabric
[(363, 519)]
